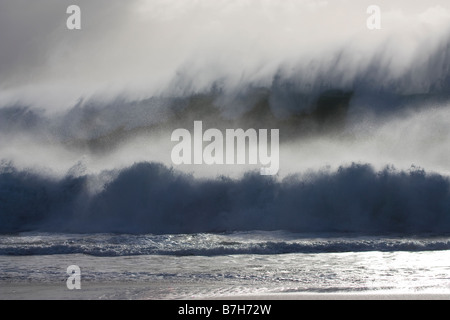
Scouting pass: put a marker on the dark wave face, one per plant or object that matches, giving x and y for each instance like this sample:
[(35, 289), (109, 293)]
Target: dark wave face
[(363, 115), (151, 198)]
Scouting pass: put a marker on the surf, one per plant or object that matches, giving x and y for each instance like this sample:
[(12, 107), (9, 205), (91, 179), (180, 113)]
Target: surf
[(352, 199)]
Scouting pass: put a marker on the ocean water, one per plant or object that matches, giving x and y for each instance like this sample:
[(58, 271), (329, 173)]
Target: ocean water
[(361, 201), (217, 266)]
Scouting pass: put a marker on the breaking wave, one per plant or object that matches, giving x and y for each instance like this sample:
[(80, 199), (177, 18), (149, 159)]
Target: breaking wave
[(152, 198), (204, 244)]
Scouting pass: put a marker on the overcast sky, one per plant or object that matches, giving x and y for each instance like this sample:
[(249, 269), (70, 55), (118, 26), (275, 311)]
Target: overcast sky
[(150, 47)]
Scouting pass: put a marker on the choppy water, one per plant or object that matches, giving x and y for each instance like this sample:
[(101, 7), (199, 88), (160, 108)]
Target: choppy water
[(207, 265)]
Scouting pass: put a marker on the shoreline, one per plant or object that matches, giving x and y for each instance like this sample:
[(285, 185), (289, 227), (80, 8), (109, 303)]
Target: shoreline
[(137, 291), (340, 296)]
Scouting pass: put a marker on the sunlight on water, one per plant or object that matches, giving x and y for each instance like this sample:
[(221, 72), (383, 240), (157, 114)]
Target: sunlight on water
[(197, 277)]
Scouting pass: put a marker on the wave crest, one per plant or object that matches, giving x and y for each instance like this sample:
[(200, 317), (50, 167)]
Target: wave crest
[(152, 198)]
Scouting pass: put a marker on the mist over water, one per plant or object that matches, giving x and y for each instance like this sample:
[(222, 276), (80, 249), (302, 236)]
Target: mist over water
[(142, 49), (86, 116)]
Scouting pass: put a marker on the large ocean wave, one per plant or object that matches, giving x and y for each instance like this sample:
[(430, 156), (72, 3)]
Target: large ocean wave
[(151, 198), (86, 117)]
